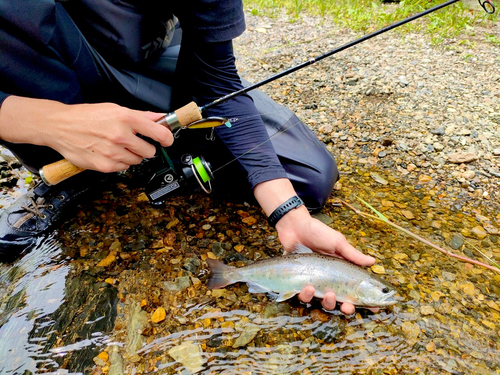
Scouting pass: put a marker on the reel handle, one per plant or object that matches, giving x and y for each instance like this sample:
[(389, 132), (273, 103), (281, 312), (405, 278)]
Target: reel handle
[(54, 173)]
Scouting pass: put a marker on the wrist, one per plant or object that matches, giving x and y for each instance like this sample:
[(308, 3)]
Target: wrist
[(24, 120), (292, 219), (283, 209)]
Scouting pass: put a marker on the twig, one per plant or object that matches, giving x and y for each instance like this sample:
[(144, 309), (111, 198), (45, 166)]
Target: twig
[(449, 253)]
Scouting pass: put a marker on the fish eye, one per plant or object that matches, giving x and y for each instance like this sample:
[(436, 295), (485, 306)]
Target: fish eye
[(385, 290)]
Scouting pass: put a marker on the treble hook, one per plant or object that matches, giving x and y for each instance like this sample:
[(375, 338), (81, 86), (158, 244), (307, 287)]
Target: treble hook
[(487, 5)]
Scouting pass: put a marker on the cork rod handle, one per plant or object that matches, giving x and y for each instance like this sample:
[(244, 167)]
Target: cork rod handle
[(54, 173)]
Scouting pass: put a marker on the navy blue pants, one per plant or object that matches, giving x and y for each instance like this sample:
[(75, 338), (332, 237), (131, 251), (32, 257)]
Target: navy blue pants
[(87, 77)]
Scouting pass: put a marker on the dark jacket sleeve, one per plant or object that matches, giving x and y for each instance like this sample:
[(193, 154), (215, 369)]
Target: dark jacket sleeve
[(211, 72), (2, 97)]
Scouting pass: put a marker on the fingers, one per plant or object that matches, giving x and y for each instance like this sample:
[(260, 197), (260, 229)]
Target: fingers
[(141, 149), (350, 253), (149, 128), (347, 308), (307, 294), (329, 301)]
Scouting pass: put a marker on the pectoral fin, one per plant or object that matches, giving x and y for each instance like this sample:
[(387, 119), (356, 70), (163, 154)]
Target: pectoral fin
[(283, 296), (255, 288)]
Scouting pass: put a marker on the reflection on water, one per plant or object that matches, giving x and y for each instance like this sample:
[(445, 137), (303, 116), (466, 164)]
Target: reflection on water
[(35, 289), (123, 291), (38, 298), (286, 344)]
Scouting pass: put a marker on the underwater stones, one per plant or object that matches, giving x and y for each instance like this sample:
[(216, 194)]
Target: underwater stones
[(159, 315), (411, 331), (479, 232), (191, 264), (247, 335), (136, 323), (462, 157), (189, 354), (179, 284), (116, 361), (378, 269), (218, 250), (457, 241), (215, 341), (378, 178), (108, 260), (328, 333), (427, 310), (325, 219), (101, 359)]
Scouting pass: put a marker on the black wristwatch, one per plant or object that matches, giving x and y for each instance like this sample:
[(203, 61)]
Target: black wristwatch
[(283, 209)]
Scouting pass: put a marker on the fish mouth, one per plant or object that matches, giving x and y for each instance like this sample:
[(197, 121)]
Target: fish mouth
[(390, 298)]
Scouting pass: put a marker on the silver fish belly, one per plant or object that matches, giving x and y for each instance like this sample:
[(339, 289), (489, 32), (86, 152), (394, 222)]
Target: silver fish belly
[(288, 275)]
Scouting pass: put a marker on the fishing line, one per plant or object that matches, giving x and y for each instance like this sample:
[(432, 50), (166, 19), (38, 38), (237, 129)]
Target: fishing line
[(190, 116), (336, 50), (314, 60), (259, 145)]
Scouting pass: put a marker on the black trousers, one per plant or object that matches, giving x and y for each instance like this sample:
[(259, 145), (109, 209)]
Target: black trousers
[(88, 78)]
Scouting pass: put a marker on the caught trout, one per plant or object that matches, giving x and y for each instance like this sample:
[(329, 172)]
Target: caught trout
[(287, 275)]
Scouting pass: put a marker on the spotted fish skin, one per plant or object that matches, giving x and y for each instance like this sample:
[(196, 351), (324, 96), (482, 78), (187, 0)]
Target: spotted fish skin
[(288, 275)]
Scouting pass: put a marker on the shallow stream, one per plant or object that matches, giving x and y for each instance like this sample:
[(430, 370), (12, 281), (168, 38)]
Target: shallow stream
[(121, 288)]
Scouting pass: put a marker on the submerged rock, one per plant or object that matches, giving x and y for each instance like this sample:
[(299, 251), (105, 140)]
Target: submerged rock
[(248, 334), (180, 283), (189, 355), (136, 323)]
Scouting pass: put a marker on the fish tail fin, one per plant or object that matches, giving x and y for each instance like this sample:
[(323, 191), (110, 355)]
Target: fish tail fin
[(220, 273)]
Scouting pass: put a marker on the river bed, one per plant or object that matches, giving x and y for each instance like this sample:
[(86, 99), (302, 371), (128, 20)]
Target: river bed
[(121, 288)]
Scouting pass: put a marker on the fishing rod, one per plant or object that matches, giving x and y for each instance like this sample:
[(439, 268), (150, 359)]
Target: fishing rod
[(190, 116), (486, 4)]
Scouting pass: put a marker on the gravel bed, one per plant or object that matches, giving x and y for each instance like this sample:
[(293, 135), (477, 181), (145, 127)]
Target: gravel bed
[(427, 113)]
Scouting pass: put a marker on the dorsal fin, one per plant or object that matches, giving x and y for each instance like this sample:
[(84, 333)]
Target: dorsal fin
[(298, 248)]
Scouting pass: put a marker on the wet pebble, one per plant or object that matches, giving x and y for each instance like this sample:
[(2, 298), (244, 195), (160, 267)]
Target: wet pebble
[(457, 241), (247, 335), (328, 333), (179, 284), (189, 354)]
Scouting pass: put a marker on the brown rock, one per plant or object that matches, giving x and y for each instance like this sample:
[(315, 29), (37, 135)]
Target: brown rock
[(408, 214), (462, 157)]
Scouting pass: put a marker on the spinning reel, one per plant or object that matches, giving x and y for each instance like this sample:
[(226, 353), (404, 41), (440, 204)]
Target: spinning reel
[(192, 173)]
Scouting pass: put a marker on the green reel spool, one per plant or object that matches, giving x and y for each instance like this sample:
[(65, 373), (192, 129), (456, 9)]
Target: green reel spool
[(202, 172)]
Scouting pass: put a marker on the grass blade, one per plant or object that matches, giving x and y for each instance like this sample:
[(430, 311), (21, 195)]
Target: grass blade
[(380, 215)]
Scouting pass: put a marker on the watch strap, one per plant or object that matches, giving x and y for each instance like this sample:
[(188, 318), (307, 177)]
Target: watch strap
[(283, 209)]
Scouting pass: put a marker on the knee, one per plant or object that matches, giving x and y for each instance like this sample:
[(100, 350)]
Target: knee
[(314, 182)]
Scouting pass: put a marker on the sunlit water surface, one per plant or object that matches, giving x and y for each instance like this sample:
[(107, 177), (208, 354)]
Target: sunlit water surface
[(85, 302)]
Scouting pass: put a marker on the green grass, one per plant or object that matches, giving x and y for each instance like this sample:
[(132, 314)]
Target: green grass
[(370, 15)]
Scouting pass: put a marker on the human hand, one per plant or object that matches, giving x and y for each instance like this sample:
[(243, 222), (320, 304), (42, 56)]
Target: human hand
[(298, 226), (102, 137)]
